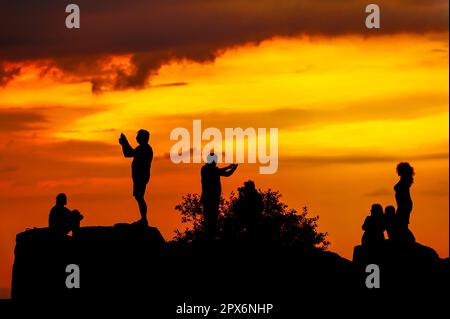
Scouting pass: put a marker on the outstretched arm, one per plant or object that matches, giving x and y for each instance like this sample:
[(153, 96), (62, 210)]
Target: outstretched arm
[(127, 150), (228, 170)]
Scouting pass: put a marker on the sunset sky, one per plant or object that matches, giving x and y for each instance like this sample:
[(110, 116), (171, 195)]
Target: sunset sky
[(349, 103)]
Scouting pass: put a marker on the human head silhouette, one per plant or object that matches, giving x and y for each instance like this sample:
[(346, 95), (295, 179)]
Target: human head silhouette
[(142, 137), (376, 210), (61, 199), (211, 159), (250, 185), (405, 171), (389, 210)]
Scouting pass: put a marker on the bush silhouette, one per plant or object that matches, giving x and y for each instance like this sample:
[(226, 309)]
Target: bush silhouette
[(277, 224)]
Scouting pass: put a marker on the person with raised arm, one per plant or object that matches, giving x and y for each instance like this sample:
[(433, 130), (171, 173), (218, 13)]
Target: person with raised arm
[(140, 168), (211, 192)]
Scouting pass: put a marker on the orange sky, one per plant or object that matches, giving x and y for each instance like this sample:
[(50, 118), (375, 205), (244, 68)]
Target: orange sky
[(348, 108)]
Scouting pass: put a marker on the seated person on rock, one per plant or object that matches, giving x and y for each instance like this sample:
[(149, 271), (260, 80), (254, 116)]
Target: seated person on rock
[(249, 208), (374, 226), (61, 219)]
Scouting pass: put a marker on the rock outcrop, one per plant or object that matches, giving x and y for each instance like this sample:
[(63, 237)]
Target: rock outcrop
[(403, 265), (132, 262)]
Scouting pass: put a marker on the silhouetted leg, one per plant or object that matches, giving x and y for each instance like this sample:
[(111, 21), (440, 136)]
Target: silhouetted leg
[(142, 207), (206, 220), (138, 193), (211, 214), (214, 220)]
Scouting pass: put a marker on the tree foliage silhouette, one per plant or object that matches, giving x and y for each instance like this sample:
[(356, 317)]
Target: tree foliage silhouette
[(279, 224)]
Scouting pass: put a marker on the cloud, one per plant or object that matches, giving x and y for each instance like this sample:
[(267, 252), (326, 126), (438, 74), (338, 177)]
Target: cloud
[(38, 118), (77, 149), (85, 151), (157, 32), (360, 159), (170, 84), (15, 119), (400, 107), (379, 192), (7, 73), (7, 169), (28, 162)]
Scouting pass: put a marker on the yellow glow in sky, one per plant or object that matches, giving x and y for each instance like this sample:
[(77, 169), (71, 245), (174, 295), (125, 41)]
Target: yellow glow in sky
[(347, 109)]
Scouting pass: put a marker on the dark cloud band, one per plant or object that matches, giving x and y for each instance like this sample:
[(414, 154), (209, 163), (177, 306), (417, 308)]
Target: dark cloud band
[(156, 32)]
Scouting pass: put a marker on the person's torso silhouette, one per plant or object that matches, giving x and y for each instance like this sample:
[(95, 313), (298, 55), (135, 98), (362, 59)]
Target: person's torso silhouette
[(211, 192), (142, 162), (57, 220), (404, 201), (211, 186)]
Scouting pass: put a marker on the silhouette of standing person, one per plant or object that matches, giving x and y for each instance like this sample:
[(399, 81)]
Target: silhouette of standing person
[(390, 220), (403, 199), (62, 220), (140, 168), (211, 192)]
